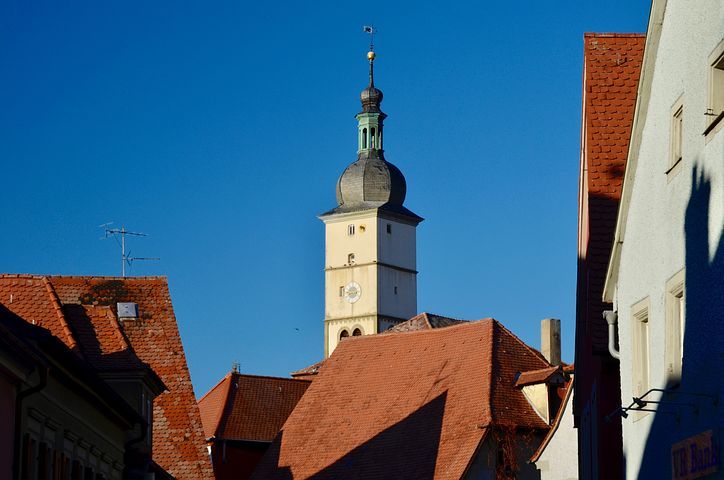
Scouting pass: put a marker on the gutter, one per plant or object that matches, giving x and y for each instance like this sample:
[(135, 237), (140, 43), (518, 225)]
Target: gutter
[(611, 318), (19, 417)]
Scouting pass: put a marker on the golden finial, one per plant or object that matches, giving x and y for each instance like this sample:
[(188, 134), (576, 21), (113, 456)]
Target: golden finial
[(371, 56)]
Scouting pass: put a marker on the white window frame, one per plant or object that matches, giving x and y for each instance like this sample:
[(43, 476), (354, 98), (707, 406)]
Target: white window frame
[(676, 139), (715, 102), (640, 349), (675, 325)]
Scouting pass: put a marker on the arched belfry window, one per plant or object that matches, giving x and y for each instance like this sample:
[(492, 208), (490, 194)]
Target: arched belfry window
[(357, 332), (343, 334), (364, 138), (373, 138)]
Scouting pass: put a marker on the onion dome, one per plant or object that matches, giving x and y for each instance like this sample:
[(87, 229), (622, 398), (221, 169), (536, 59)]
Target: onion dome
[(371, 180)]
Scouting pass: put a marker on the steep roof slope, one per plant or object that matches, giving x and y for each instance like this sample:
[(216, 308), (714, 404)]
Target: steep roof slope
[(249, 407), (80, 311), (422, 321), (411, 405), (612, 65)]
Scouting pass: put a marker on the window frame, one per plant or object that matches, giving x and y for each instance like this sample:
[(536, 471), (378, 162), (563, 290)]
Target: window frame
[(641, 357), (715, 101), (675, 325), (676, 139)]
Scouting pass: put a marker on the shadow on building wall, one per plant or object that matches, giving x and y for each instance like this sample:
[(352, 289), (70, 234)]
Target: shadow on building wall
[(702, 370), (406, 450)]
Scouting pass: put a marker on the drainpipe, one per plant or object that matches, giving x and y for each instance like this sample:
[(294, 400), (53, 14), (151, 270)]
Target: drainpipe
[(19, 417), (611, 318)]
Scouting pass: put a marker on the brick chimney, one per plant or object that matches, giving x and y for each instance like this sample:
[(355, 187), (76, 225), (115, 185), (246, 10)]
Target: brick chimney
[(550, 340)]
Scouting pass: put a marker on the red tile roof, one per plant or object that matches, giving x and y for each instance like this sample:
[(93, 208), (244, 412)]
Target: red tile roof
[(422, 321), (612, 65), (81, 312), (537, 376), (249, 407), (412, 405)]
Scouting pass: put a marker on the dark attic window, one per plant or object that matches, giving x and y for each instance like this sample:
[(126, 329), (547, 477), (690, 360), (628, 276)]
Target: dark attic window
[(357, 332), (343, 334)]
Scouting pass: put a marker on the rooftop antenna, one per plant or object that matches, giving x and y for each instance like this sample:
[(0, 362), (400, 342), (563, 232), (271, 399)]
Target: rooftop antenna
[(122, 232)]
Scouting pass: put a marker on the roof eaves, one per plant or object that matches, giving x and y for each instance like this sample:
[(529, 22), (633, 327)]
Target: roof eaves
[(653, 35)]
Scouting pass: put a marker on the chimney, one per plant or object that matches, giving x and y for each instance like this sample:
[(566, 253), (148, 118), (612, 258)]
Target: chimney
[(550, 340)]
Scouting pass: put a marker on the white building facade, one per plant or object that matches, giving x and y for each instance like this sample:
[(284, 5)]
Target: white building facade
[(666, 275)]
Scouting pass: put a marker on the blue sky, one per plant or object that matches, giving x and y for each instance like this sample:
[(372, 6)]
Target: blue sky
[(220, 128)]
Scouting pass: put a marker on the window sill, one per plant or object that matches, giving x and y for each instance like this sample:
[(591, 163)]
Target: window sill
[(713, 124)]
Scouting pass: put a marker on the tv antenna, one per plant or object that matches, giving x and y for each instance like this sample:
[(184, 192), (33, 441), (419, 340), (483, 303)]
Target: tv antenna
[(126, 258)]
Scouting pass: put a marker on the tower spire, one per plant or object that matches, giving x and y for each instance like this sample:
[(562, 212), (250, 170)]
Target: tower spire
[(371, 54)]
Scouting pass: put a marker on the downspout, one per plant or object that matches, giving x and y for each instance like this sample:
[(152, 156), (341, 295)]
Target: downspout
[(19, 417), (611, 318), (127, 446)]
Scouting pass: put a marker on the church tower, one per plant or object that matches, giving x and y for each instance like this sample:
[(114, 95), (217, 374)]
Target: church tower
[(370, 269)]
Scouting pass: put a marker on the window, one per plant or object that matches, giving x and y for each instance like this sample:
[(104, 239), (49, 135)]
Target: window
[(640, 347), (675, 326), (350, 259), (350, 230), (341, 291), (675, 142), (364, 138), (343, 334), (715, 109), (357, 332), (395, 290), (389, 228)]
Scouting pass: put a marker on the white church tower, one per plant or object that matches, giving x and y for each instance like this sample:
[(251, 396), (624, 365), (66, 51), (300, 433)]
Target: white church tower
[(370, 259)]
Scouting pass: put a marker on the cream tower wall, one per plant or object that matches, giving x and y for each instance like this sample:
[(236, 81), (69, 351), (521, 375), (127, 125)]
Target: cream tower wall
[(384, 266)]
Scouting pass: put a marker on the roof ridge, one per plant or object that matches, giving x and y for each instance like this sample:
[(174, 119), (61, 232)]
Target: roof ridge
[(55, 301), (613, 35), (81, 277), (214, 387), (251, 375)]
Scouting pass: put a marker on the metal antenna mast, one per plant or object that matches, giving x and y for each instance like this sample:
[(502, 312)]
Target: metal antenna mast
[(125, 258)]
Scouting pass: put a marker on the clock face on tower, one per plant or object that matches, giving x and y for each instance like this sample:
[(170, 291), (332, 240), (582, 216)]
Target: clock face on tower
[(352, 292)]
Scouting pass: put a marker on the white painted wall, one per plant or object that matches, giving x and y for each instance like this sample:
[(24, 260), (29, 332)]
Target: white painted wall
[(654, 245), (558, 460)]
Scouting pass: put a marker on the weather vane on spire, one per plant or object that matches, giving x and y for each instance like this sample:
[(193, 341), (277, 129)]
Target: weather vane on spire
[(371, 54), (371, 30)]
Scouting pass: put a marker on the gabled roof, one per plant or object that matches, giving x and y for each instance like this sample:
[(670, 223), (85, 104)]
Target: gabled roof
[(422, 321), (249, 407), (411, 405), (80, 311), (612, 65), (541, 375)]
